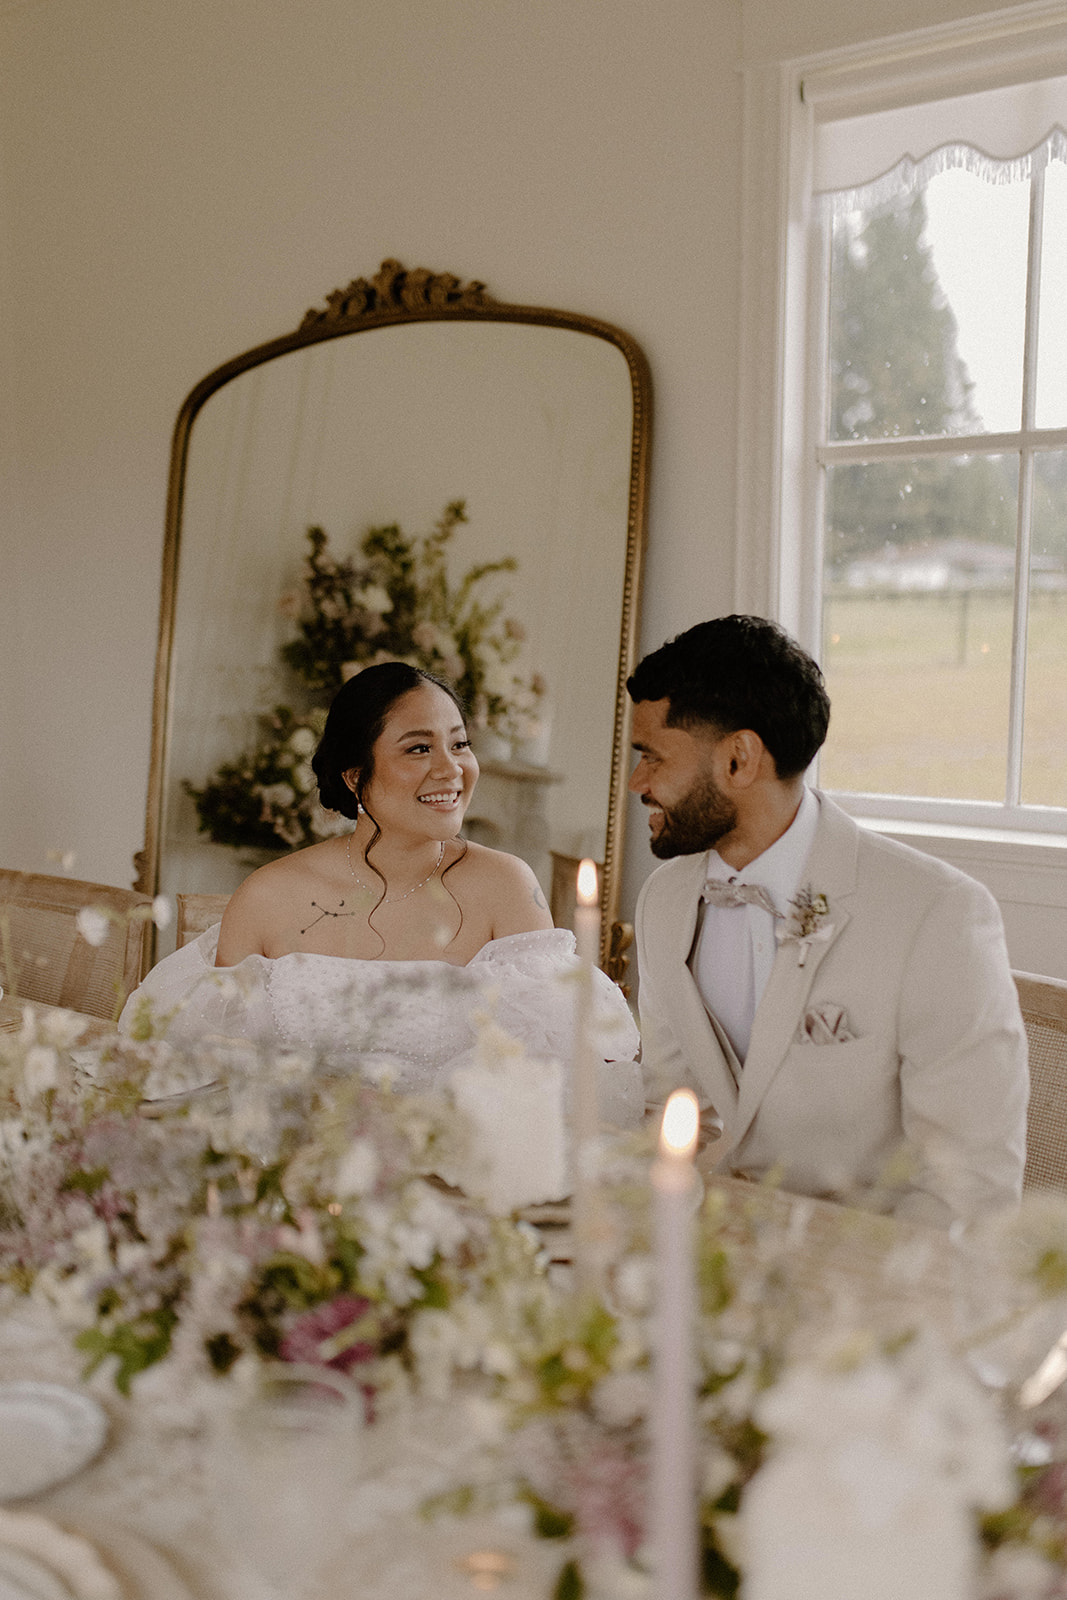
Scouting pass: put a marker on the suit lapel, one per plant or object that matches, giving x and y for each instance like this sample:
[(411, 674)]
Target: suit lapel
[(703, 1044), (830, 870)]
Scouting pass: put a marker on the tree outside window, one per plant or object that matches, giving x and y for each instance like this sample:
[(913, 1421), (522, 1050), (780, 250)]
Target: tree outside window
[(944, 482)]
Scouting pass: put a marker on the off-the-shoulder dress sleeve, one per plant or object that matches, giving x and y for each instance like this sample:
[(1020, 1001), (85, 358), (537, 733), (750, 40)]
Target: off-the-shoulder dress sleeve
[(191, 999), (525, 976)]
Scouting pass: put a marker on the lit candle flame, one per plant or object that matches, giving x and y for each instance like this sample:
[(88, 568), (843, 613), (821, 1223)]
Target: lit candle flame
[(681, 1122), (588, 887)]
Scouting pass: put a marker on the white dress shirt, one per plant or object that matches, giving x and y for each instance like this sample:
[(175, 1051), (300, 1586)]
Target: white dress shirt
[(735, 946)]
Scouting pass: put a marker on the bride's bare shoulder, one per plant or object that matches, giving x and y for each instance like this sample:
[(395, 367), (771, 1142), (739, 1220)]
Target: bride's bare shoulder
[(266, 899), (507, 888)]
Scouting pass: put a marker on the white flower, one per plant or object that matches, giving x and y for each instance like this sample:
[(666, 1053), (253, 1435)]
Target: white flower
[(290, 1066), (66, 1293), (304, 777), (358, 1171), (62, 1028), (276, 794), (39, 1069), (428, 636), (91, 1244), (498, 679), (807, 922), (162, 911), (131, 1254), (374, 598), (1020, 1572), (302, 741), (633, 1283), (621, 1398), (92, 923)]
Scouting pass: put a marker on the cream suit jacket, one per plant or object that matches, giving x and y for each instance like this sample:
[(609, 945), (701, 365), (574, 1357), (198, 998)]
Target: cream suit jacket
[(937, 1062)]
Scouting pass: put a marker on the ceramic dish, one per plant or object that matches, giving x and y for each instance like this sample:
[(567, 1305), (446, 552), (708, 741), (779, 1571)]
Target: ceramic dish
[(49, 1432)]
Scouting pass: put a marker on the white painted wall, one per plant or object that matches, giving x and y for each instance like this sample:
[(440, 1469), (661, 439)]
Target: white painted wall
[(180, 179)]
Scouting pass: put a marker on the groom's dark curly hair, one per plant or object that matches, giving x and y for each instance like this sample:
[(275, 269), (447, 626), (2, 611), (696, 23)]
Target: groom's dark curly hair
[(741, 672)]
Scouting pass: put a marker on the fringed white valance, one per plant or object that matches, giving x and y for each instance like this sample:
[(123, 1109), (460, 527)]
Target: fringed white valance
[(1002, 135), (908, 175)]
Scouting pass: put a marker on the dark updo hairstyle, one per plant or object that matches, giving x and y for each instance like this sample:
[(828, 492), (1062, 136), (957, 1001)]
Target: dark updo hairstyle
[(356, 719), (741, 672)]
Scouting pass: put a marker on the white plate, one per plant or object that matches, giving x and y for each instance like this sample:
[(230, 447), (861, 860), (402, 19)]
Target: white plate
[(47, 1433)]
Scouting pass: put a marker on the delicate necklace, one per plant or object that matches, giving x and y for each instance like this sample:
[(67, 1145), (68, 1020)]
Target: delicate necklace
[(394, 900)]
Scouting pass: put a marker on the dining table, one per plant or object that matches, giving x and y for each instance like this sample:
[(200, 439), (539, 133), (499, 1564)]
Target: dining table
[(154, 1508)]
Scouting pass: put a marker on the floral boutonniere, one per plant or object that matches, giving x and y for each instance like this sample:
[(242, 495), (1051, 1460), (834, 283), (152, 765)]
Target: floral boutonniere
[(807, 923)]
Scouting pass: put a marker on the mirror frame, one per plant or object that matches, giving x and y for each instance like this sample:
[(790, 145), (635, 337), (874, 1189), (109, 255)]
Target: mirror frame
[(399, 295)]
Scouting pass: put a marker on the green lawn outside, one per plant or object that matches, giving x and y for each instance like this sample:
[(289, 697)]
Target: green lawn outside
[(919, 687)]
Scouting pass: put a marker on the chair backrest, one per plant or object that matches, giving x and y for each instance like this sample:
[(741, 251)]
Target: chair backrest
[(1044, 1008), (197, 913), (44, 957)]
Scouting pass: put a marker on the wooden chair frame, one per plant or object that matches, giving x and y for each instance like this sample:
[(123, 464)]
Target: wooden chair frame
[(43, 956), (1044, 1008)]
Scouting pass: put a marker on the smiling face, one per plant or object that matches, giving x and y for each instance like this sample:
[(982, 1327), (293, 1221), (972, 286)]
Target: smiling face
[(676, 778), (424, 769)]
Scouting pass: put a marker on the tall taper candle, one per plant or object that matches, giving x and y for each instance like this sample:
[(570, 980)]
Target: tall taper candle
[(673, 1507), (585, 1123)]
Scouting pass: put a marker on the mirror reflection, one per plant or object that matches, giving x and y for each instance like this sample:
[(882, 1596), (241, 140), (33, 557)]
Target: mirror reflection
[(532, 430)]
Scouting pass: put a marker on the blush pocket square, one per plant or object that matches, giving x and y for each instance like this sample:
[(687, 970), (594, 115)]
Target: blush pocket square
[(825, 1024)]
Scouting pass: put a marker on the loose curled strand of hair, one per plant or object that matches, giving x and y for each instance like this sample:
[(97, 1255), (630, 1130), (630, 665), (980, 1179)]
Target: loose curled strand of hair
[(385, 882), (448, 891), (375, 836)]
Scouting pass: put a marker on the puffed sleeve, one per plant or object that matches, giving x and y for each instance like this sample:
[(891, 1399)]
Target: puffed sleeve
[(186, 998), (528, 983)]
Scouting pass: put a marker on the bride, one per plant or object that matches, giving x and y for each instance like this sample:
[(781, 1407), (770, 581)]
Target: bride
[(379, 949)]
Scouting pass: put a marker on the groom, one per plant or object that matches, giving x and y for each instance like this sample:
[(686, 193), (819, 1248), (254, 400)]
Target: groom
[(842, 1004)]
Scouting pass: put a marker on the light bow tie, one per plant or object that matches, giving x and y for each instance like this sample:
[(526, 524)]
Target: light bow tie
[(718, 892)]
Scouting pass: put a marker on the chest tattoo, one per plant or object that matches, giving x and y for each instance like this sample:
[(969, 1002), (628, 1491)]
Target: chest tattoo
[(324, 912)]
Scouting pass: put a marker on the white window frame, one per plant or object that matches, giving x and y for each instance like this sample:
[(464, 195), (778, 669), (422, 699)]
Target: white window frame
[(778, 531)]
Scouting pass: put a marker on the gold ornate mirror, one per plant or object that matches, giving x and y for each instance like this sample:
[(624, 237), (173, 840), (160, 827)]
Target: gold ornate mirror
[(408, 393)]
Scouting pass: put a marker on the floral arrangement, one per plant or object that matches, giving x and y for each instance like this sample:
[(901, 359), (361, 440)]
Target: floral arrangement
[(268, 798), (390, 601), (279, 1213)]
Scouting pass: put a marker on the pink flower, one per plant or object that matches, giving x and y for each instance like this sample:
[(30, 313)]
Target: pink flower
[(607, 1490), (598, 1475), (1047, 1492), (312, 1336)]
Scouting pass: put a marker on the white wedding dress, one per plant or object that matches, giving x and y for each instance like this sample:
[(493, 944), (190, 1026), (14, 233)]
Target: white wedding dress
[(413, 1021)]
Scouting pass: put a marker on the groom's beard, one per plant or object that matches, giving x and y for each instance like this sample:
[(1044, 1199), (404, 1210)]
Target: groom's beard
[(696, 823)]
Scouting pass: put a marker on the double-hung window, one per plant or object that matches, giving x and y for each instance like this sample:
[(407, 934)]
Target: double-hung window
[(921, 448)]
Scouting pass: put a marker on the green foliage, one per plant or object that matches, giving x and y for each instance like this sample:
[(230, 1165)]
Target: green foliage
[(719, 1575), (894, 367), (84, 1182), (549, 1521), (265, 800), (1050, 1272), (435, 1291), (136, 1345), (895, 372), (571, 1584)]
